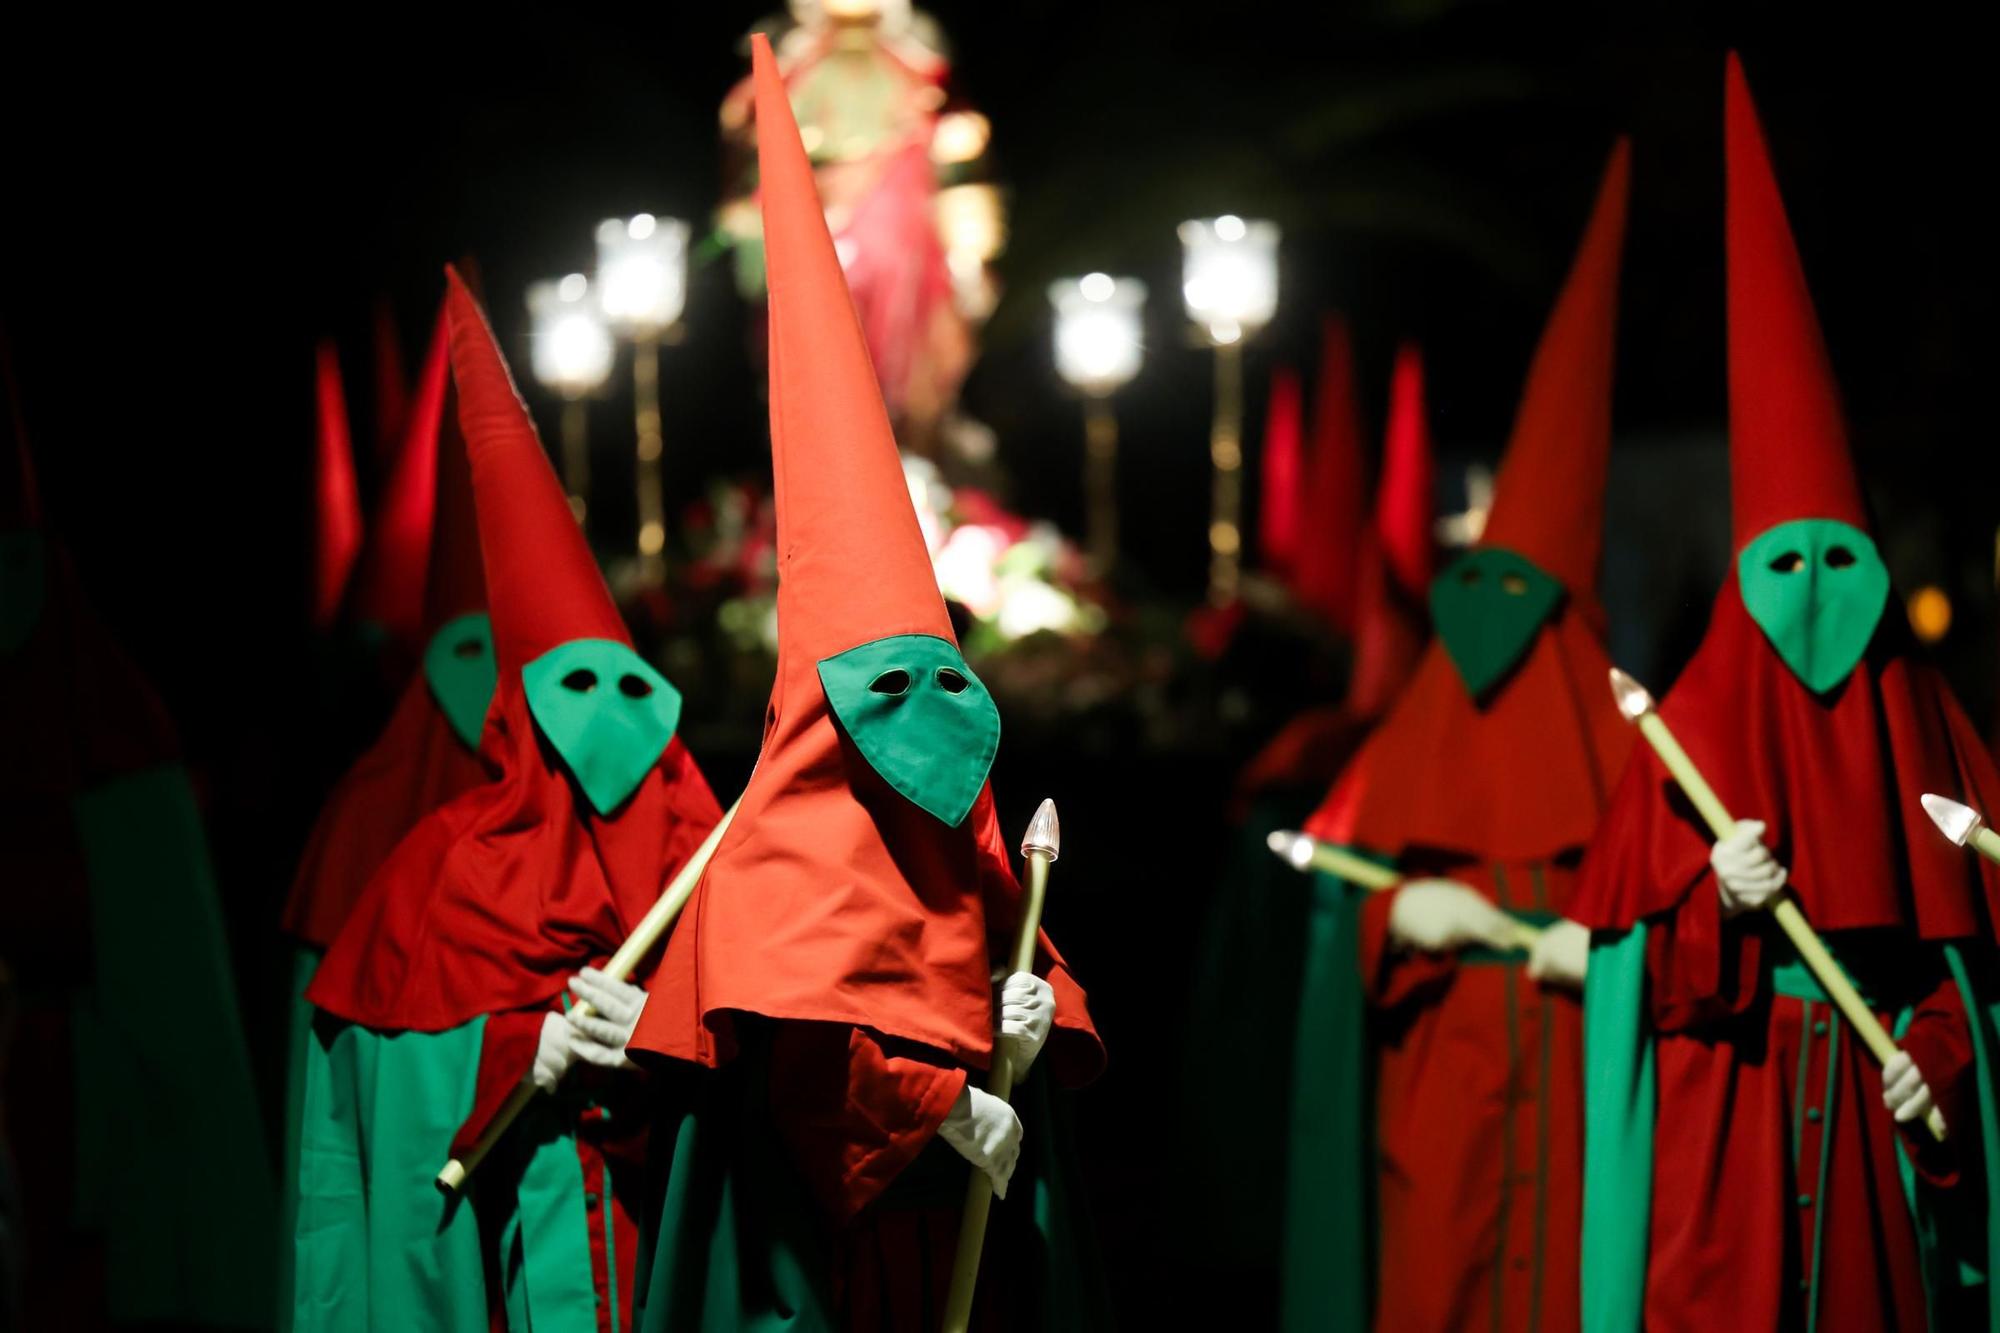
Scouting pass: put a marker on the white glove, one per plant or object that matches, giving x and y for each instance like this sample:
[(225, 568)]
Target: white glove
[(1027, 1011), (1439, 915), (986, 1133), (597, 1039), (1562, 955), (1904, 1091), (1746, 874)]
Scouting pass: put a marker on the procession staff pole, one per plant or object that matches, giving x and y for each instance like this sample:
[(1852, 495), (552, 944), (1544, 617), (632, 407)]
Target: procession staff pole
[(1305, 852), (1637, 706), (652, 928), (1039, 848)]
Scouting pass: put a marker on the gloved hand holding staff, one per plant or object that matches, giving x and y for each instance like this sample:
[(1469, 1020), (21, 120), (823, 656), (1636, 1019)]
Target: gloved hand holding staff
[(1753, 881)]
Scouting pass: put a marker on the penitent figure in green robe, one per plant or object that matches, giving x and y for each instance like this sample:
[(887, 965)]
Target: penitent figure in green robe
[(129, 1106)]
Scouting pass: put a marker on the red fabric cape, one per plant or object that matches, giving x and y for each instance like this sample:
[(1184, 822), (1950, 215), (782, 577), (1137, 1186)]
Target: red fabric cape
[(496, 898), (1523, 778), (1836, 779)]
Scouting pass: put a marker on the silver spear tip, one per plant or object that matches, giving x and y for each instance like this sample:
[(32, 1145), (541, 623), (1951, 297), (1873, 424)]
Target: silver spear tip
[(1044, 833), (1633, 701), (1956, 821), (1292, 846)]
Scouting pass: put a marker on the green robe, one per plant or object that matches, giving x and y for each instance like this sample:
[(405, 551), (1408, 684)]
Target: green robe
[(377, 1246), (172, 1168), (739, 1245)]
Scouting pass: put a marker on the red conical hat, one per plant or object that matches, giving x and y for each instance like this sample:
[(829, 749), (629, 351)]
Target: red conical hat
[(1788, 454), (1333, 507), (1549, 497), (389, 582), (1405, 497), (834, 898), (337, 500), (1530, 768), (495, 898), (1278, 513), (455, 581), (543, 585)]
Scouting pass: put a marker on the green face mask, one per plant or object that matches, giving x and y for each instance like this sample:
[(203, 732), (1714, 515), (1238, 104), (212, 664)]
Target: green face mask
[(23, 587), (1488, 605), (1816, 587), (919, 717), (459, 665), (607, 712)]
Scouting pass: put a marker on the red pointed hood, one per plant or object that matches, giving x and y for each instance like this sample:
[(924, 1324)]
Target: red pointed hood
[(389, 582), (1788, 455), (1837, 777), (1279, 511), (1333, 507), (832, 897), (1405, 497), (455, 579), (497, 896), (337, 500), (543, 585), (1549, 497), (1532, 767)]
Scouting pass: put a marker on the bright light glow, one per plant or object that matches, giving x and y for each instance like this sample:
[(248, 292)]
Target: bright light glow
[(960, 136), (1930, 613), (642, 272), (652, 538), (569, 348), (1029, 606), (965, 568), (1229, 275), (972, 221), (1099, 342)]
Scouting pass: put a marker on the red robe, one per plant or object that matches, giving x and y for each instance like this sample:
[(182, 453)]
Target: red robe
[(1740, 1066)]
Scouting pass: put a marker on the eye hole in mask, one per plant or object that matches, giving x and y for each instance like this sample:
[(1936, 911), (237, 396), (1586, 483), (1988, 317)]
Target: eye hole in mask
[(632, 687), (1816, 587), (580, 681), (895, 684), (951, 682), (467, 649)]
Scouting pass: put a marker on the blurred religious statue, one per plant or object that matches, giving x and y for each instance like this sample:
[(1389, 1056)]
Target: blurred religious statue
[(898, 167)]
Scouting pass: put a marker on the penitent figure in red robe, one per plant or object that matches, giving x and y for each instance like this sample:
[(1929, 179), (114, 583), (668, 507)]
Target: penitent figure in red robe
[(1750, 1163), (1481, 787), (828, 995), (447, 983)]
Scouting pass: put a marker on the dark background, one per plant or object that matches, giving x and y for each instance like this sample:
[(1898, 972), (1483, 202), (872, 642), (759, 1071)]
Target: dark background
[(189, 204)]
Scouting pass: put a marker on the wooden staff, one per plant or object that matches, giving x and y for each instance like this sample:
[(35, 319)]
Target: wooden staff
[(652, 928), (1963, 825), (1039, 848), (1637, 706), (1305, 852)]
